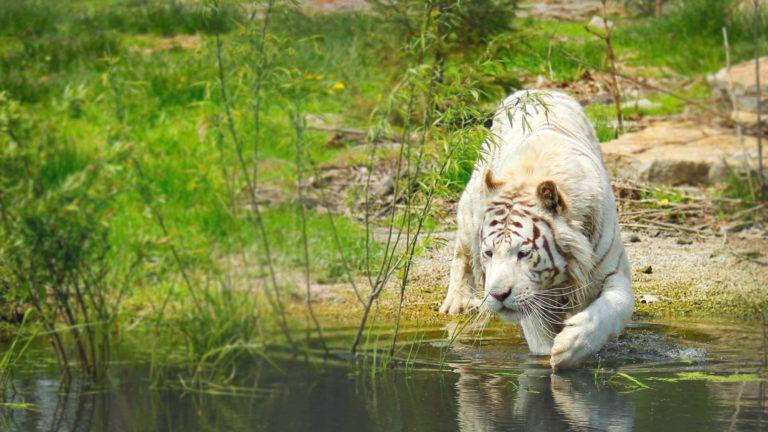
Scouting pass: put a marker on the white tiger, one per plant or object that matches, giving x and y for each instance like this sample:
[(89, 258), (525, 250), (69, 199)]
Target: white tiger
[(537, 228)]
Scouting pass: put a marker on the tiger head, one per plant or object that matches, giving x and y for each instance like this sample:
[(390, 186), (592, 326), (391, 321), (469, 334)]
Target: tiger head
[(534, 258)]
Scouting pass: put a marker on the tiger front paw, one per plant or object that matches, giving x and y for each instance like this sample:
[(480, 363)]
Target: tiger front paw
[(580, 338), (456, 303)]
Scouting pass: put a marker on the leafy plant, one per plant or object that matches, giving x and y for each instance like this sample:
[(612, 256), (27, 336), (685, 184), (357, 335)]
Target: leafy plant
[(55, 238), (463, 24)]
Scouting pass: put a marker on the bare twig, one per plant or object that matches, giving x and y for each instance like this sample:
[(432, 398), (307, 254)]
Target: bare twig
[(298, 124), (182, 267), (739, 129), (704, 107), (614, 71), (337, 240), (610, 54), (389, 263), (756, 43), (261, 69), (276, 303)]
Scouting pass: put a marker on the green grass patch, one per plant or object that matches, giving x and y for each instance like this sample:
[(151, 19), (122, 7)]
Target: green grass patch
[(688, 36), (549, 46), (702, 376)]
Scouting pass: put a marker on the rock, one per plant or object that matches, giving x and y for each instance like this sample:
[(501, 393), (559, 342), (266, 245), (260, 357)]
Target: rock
[(597, 24), (646, 270), (684, 241), (675, 152), (649, 298), (743, 79), (634, 238), (334, 6), (269, 196), (385, 186), (322, 120), (562, 10), (748, 6), (641, 104)]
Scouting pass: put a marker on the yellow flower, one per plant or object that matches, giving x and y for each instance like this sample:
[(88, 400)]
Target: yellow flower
[(313, 77), (339, 86)]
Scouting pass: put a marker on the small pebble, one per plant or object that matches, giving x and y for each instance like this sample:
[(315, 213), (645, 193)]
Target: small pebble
[(646, 270), (684, 241), (634, 238), (648, 298)]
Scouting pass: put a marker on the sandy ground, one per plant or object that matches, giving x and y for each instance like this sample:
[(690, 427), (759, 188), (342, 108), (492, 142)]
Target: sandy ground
[(672, 275), (706, 278)]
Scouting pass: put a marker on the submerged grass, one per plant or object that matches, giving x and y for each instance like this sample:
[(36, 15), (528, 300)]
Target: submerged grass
[(13, 353), (702, 376)]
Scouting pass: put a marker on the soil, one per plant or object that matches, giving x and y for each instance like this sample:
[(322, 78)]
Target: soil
[(672, 277)]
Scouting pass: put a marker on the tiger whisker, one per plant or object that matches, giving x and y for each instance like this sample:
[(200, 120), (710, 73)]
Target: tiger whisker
[(536, 314), (542, 324), (543, 317), (551, 303)]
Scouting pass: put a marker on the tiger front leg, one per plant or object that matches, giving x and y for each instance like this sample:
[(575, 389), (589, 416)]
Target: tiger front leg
[(587, 331), (460, 297)]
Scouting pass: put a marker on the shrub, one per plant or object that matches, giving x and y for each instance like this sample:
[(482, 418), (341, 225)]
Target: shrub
[(55, 209), (469, 23)]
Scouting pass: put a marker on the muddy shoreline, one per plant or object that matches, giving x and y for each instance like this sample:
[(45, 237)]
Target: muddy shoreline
[(672, 276)]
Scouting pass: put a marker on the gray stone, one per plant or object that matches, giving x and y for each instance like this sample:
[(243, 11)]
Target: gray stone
[(597, 24), (677, 153), (649, 298), (742, 83), (385, 187), (641, 104), (562, 10)]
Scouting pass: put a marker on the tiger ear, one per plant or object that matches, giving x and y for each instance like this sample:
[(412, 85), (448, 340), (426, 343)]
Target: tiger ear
[(491, 184), (551, 198)]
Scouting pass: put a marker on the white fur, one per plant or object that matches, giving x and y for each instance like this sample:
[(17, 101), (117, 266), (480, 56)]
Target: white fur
[(544, 135)]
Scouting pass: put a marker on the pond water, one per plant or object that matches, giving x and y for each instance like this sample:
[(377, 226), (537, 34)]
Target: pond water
[(689, 376)]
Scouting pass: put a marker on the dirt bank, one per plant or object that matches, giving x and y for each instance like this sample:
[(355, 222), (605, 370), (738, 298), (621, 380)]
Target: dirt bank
[(673, 276)]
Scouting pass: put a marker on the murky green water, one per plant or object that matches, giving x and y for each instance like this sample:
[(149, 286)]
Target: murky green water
[(683, 377)]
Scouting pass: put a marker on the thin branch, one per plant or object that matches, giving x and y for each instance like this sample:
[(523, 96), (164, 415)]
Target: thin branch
[(146, 196), (756, 43), (298, 124), (732, 97), (277, 304), (614, 71)]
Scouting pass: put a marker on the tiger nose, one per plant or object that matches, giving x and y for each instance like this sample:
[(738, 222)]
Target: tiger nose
[(501, 296)]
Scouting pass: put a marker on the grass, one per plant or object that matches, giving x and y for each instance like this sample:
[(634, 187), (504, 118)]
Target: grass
[(688, 37), (94, 77), (552, 46), (97, 77), (13, 353), (702, 376)]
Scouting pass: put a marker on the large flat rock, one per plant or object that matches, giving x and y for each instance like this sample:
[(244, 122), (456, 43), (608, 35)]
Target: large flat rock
[(678, 153)]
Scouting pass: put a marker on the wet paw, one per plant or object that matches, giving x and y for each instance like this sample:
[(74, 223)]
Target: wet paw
[(456, 304), (577, 341)]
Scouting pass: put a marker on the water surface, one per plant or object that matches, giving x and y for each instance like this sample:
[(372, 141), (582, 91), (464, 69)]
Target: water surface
[(688, 376)]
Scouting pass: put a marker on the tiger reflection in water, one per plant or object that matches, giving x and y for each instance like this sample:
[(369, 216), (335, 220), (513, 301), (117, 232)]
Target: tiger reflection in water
[(542, 401)]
